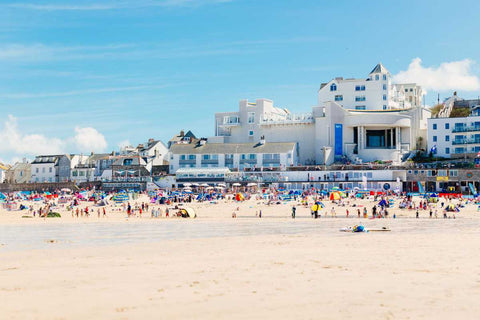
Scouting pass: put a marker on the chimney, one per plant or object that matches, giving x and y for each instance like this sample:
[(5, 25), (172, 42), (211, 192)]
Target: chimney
[(202, 142), (182, 133)]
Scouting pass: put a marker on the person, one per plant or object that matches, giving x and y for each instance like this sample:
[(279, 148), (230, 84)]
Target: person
[(259, 214), (365, 213), (333, 212), (348, 213), (374, 211), (167, 213), (436, 213), (431, 213), (358, 213), (294, 209), (417, 213), (104, 212)]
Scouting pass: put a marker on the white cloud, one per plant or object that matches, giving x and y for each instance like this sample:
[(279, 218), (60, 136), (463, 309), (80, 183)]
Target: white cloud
[(30, 144), (15, 143), (89, 139), (448, 76)]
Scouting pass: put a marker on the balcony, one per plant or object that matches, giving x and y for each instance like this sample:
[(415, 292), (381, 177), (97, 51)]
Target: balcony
[(229, 122), (466, 141), (291, 118), (466, 129)]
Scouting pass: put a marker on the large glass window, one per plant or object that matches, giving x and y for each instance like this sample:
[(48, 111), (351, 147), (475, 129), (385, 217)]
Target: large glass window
[(359, 88), (380, 139)]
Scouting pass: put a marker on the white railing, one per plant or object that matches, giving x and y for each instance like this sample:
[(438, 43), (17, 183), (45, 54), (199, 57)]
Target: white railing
[(290, 118)]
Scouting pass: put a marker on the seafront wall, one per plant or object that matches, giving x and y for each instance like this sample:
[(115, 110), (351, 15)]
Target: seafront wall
[(11, 187)]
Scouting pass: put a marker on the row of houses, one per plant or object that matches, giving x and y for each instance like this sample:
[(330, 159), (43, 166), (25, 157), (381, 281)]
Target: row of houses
[(129, 162)]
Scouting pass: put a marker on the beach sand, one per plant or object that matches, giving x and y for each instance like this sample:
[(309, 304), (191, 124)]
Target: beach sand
[(219, 267)]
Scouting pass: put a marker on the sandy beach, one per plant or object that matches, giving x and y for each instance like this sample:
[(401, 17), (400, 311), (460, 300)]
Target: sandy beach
[(218, 267)]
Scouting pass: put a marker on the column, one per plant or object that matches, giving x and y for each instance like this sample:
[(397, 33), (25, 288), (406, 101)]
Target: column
[(391, 138), (399, 138)]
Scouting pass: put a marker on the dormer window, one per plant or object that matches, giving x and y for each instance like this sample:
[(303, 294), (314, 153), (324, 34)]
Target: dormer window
[(377, 77), (333, 87)]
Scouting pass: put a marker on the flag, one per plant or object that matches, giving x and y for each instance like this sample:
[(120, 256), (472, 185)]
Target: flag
[(434, 149)]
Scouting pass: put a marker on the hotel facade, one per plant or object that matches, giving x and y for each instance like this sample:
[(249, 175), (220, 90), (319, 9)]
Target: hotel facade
[(363, 119)]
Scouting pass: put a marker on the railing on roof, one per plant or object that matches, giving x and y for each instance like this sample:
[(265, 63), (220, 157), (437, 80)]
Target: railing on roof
[(290, 118)]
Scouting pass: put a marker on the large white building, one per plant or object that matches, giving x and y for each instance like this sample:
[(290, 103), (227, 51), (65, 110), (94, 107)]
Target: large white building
[(455, 137), (205, 154), (363, 119)]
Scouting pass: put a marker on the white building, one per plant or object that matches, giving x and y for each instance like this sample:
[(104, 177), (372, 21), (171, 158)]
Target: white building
[(204, 154), (154, 152), (455, 137), (363, 119)]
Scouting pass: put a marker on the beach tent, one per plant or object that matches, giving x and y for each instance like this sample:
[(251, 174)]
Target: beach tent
[(188, 213), (335, 195), (239, 197), (452, 208), (382, 203)]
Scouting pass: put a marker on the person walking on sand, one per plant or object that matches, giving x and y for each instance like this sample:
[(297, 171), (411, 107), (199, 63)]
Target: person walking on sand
[(416, 213), (358, 213), (104, 212), (333, 212), (365, 213), (294, 209)]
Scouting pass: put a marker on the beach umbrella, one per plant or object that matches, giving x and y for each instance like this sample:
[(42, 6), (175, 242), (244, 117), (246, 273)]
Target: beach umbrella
[(209, 188), (195, 184), (187, 184), (204, 185), (252, 184), (320, 204), (222, 185), (236, 184)]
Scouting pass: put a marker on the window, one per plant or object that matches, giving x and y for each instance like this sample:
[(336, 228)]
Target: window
[(360, 98), (406, 90), (384, 97), (228, 156), (251, 117), (50, 170), (43, 170), (127, 162), (36, 170), (206, 157), (359, 88), (74, 173), (384, 87), (447, 138), (252, 156), (384, 77), (192, 157), (183, 157), (434, 138), (333, 87), (434, 126), (250, 133), (339, 98), (384, 107), (360, 108), (377, 77), (447, 126)]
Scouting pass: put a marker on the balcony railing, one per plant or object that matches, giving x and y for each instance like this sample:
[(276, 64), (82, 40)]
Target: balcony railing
[(292, 118), (466, 129), (466, 141)]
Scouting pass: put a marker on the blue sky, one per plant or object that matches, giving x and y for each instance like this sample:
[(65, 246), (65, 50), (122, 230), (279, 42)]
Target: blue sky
[(76, 72)]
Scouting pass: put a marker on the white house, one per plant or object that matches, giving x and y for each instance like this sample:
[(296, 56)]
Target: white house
[(363, 119), (154, 152), (455, 137), (204, 154)]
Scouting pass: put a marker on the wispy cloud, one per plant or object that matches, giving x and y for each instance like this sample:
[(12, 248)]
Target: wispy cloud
[(110, 5), (77, 92)]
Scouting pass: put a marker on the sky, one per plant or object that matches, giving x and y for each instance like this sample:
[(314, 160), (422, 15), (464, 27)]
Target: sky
[(82, 76)]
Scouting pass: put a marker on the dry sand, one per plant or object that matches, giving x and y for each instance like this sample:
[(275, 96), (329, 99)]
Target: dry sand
[(273, 267)]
